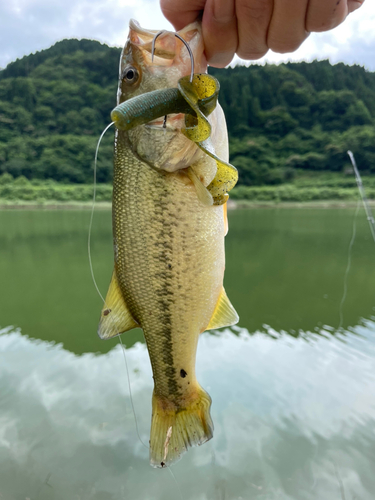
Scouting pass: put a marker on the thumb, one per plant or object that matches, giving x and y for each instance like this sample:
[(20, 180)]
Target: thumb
[(181, 12)]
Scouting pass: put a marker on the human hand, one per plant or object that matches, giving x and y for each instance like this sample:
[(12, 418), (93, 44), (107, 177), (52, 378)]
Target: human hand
[(251, 27)]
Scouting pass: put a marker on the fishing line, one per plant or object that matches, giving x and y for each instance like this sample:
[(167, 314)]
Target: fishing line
[(365, 202), (130, 392), (93, 276), (175, 480), (371, 222), (92, 210), (348, 265), (338, 477), (135, 416), (101, 296)]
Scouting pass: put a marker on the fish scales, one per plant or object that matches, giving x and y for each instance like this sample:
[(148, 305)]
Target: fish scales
[(170, 264), (168, 238)]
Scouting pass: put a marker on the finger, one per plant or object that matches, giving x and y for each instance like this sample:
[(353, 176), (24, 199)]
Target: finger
[(287, 28), (253, 18), (183, 12), (219, 27), (354, 5), (324, 16)]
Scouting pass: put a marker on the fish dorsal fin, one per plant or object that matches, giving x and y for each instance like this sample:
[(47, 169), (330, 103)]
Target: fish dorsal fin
[(203, 194), (115, 317), (224, 314)]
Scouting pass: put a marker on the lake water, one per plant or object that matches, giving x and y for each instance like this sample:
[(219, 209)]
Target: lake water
[(293, 394)]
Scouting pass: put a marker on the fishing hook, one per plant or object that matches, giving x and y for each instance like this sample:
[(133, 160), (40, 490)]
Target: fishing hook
[(183, 41)]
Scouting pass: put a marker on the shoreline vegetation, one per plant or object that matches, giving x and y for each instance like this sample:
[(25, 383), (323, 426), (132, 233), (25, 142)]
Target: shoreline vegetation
[(232, 205), (290, 127), (317, 190)]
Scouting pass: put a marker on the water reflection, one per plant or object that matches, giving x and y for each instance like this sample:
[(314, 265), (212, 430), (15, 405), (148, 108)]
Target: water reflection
[(293, 398), (48, 288), (292, 419), (285, 268)]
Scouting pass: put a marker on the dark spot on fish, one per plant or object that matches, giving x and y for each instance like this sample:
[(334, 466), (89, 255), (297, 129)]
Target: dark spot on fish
[(169, 266), (106, 312), (183, 373), (338, 1)]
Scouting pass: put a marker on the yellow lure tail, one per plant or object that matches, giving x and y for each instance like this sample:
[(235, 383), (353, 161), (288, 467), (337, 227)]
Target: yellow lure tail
[(226, 176), (202, 94), (174, 430)]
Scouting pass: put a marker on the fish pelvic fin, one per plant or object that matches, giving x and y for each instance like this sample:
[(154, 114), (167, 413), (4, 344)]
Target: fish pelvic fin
[(224, 314), (174, 430), (115, 317)]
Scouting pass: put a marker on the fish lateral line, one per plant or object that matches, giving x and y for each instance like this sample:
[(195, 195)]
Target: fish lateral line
[(163, 236)]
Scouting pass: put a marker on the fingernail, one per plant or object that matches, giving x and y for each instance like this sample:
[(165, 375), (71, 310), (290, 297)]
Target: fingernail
[(220, 59), (354, 5)]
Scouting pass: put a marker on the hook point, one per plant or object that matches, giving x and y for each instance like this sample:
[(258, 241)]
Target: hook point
[(183, 41)]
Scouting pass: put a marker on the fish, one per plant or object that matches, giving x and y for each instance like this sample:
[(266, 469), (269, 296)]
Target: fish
[(168, 238)]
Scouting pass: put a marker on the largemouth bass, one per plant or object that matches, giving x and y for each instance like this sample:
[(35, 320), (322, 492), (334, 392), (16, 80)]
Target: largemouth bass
[(168, 241)]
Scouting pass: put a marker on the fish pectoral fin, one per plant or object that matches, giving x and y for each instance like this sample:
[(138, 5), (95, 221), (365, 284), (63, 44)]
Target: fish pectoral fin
[(202, 192), (115, 317), (224, 314)]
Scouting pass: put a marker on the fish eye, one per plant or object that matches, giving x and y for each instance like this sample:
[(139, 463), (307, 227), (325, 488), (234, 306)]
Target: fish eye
[(130, 75)]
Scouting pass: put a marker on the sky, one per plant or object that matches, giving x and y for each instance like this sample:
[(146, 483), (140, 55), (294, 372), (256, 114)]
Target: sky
[(27, 26)]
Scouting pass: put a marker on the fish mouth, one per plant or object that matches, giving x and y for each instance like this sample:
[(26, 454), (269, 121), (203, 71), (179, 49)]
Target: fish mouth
[(169, 50), (174, 122)]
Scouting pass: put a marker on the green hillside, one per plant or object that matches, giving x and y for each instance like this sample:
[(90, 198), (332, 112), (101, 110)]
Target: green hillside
[(282, 120)]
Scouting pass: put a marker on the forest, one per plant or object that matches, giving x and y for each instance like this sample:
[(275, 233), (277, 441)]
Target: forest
[(284, 121)]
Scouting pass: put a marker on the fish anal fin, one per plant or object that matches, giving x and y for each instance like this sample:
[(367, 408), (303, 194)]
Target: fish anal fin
[(115, 317), (224, 314)]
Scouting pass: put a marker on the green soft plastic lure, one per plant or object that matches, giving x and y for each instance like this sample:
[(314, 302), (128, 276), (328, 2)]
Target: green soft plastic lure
[(196, 99)]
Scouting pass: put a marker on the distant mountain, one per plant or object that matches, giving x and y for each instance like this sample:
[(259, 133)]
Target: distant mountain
[(23, 66), (53, 106), (55, 103)]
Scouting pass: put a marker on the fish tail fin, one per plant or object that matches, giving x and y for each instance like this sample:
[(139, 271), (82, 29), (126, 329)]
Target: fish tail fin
[(175, 429)]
